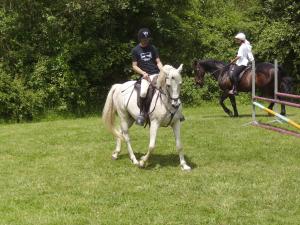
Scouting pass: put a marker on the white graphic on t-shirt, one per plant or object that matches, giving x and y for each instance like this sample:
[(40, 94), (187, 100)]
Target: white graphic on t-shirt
[(146, 56)]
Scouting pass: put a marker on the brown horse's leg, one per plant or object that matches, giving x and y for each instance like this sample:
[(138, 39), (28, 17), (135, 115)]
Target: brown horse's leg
[(271, 105), (221, 101), (233, 103), (282, 112)]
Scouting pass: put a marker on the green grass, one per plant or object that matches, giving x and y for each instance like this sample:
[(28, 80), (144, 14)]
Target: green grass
[(60, 172)]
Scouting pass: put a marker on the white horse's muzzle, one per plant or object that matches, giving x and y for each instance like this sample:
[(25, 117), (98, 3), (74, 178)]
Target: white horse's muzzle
[(175, 102)]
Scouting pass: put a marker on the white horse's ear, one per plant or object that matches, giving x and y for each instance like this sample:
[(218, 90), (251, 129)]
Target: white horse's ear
[(180, 68)]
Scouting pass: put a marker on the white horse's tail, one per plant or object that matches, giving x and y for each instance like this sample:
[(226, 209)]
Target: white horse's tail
[(109, 113)]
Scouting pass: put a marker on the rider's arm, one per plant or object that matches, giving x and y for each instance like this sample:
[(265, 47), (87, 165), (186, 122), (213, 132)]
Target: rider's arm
[(139, 70), (235, 59)]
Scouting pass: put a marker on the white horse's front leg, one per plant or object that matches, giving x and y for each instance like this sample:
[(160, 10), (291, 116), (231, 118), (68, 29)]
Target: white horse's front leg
[(153, 132), (129, 148), (124, 127), (117, 150), (176, 130)]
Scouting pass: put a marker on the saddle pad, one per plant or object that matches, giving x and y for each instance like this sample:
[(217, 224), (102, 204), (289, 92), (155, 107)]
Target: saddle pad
[(127, 87), (242, 73)]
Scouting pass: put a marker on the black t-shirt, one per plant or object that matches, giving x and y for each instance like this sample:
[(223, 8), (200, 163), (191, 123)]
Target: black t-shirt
[(146, 58)]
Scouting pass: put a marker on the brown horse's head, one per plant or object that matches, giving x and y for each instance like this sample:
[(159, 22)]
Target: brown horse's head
[(199, 73)]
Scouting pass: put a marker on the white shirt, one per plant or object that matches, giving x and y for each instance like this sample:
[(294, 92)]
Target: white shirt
[(243, 54), (250, 54)]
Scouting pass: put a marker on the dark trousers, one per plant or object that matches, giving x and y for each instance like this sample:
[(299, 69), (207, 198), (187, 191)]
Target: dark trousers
[(235, 74)]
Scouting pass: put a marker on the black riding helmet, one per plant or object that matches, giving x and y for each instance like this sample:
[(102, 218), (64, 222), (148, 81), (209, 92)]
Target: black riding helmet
[(144, 33)]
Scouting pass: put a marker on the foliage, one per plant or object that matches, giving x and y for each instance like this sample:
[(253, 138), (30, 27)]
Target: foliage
[(280, 36), (16, 102), (68, 53), (192, 95)]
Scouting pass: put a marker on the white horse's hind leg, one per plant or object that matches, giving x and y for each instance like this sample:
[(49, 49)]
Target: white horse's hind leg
[(176, 130), (125, 125), (153, 132)]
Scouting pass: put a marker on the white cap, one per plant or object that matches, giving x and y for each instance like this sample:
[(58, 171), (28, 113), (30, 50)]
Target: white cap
[(241, 36)]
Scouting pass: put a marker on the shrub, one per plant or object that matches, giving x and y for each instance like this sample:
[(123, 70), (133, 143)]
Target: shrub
[(17, 103), (192, 95)]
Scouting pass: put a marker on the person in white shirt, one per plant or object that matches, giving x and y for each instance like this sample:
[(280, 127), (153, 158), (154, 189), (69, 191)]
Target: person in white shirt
[(241, 61)]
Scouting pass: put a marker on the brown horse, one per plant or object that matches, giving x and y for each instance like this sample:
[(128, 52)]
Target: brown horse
[(264, 81)]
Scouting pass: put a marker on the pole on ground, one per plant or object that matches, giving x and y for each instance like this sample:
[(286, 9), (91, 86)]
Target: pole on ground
[(278, 115)]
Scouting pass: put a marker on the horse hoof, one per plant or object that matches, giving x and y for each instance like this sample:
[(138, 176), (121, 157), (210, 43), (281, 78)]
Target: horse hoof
[(185, 168), (135, 162), (141, 164), (114, 156)]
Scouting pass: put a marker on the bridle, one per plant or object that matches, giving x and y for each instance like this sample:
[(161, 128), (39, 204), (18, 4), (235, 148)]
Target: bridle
[(174, 99)]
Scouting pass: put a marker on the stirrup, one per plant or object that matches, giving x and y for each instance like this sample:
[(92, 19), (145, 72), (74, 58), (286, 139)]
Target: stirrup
[(140, 120), (233, 92), (182, 118)]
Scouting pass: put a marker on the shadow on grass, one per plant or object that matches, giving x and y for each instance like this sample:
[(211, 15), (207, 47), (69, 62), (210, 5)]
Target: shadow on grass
[(159, 160)]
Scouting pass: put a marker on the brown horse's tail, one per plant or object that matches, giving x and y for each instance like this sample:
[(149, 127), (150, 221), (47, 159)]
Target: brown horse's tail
[(285, 81), (109, 113)]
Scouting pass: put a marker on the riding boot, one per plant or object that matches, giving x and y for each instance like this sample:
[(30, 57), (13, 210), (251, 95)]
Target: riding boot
[(233, 91), (140, 120)]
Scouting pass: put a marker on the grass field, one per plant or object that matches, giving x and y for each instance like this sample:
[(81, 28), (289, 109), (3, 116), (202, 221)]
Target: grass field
[(60, 172)]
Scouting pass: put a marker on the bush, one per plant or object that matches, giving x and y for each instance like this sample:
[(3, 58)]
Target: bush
[(62, 90), (16, 102), (192, 95)]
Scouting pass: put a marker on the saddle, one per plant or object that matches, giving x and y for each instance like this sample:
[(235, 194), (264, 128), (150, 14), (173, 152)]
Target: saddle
[(232, 67), (150, 93)]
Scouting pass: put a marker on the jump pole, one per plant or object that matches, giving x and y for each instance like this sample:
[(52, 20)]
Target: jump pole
[(276, 93), (276, 84), (285, 119), (253, 93), (288, 95), (278, 101)]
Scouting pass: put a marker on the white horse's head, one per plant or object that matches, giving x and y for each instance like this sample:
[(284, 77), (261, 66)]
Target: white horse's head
[(170, 81)]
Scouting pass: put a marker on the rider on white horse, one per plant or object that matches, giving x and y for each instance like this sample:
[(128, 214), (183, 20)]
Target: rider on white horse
[(146, 62), (165, 110)]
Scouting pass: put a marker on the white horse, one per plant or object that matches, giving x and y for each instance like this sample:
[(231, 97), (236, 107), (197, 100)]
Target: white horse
[(165, 109)]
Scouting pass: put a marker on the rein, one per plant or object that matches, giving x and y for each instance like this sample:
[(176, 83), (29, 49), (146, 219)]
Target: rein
[(220, 68), (177, 108)]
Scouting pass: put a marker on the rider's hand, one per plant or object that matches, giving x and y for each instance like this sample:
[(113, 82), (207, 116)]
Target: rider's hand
[(145, 76)]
